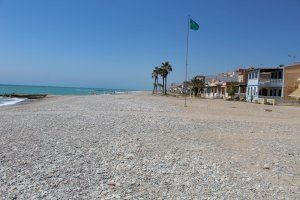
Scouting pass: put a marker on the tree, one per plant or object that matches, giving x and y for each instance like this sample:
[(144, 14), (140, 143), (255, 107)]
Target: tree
[(231, 91), (197, 83), (161, 74), (166, 69), (155, 74)]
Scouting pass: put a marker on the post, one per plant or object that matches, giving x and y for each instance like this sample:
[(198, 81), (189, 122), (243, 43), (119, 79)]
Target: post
[(186, 59)]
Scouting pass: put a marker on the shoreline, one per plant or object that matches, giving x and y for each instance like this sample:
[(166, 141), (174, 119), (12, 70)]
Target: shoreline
[(20, 101)]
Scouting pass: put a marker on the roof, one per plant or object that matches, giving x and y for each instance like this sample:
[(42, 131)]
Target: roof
[(221, 78), (266, 69), (293, 65)]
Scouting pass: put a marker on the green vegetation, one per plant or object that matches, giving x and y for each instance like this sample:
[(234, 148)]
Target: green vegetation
[(155, 74), (196, 84), (231, 91), (162, 71)]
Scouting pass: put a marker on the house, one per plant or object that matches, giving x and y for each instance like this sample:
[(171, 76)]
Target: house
[(212, 89), (242, 82), (218, 86), (176, 88), (226, 86), (265, 83), (291, 77)]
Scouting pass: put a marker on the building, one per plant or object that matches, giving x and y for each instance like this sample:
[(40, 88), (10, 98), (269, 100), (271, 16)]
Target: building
[(213, 89), (265, 83), (228, 85), (291, 76), (296, 93), (176, 88), (242, 82), (216, 87)]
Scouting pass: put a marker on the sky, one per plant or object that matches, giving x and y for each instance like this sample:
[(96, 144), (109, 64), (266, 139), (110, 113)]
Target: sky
[(117, 43)]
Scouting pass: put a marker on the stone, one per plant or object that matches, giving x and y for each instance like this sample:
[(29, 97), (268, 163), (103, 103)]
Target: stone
[(111, 183), (266, 166)]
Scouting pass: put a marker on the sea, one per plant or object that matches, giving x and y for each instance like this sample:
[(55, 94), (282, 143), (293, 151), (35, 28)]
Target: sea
[(50, 90)]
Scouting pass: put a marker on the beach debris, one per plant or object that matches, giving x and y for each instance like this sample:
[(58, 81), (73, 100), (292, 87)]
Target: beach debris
[(268, 110), (266, 166), (111, 183), (27, 96)]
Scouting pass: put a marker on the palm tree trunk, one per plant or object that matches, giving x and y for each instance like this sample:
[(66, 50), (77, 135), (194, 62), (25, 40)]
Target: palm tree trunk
[(166, 85), (163, 89), (153, 88), (156, 85)]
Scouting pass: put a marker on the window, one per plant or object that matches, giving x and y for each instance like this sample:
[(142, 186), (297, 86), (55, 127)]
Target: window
[(272, 75), (280, 74), (275, 92), (279, 92), (271, 92), (255, 74)]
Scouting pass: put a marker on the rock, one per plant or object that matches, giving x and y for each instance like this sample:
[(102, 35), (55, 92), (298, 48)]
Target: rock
[(111, 183), (129, 156), (266, 166), (150, 150)]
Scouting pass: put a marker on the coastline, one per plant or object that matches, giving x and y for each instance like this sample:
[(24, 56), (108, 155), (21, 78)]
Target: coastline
[(20, 101), (137, 145), (10, 101)]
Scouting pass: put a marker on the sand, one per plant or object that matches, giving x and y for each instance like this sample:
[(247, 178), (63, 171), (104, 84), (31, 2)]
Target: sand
[(139, 146)]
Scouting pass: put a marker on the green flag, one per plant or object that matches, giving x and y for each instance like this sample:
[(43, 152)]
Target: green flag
[(193, 25)]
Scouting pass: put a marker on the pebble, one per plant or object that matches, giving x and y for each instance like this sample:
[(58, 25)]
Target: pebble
[(266, 166), (135, 147)]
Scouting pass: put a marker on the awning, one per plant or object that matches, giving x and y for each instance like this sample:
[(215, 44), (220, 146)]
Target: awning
[(296, 93)]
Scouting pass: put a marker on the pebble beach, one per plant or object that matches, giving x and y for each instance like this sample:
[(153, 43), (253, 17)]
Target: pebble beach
[(139, 146)]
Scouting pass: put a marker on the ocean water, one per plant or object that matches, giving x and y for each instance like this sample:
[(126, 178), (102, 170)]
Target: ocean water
[(21, 89), (9, 101)]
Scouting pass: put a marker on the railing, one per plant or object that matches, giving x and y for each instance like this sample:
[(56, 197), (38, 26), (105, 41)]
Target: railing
[(275, 97), (271, 82)]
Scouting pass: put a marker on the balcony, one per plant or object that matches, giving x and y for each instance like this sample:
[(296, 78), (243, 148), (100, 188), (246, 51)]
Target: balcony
[(270, 82)]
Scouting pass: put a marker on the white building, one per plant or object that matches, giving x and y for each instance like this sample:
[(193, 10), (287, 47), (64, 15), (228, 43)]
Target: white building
[(265, 83)]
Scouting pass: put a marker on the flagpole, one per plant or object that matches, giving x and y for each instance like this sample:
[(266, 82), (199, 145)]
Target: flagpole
[(186, 59)]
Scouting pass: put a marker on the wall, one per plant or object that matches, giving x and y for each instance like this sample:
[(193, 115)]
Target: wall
[(291, 74)]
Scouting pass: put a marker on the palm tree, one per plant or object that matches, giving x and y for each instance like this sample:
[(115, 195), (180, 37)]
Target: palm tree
[(155, 74), (160, 86), (161, 73), (166, 69)]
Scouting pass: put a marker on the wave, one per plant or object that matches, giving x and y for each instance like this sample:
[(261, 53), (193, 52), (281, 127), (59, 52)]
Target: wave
[(4, 101)]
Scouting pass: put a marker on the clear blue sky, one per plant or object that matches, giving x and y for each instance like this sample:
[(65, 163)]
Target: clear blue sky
[(116, 43)]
